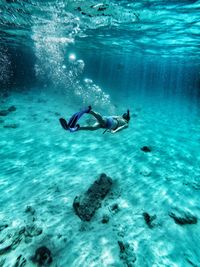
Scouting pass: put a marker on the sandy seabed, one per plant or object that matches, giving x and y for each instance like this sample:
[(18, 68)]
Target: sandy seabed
[(43, 168)]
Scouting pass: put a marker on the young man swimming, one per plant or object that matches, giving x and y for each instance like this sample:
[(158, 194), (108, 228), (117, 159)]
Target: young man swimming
[(109, 123)]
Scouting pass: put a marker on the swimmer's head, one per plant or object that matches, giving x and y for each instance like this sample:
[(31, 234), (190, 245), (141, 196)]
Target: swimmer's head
[(127, 116)]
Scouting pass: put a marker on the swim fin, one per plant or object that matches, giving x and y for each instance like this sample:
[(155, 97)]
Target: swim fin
[(63, 123), (72, 125)]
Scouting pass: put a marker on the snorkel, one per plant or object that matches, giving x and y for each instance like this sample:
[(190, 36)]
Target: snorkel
[(127, 116)]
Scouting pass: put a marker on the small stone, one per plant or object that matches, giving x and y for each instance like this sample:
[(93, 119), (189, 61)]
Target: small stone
[(121, 246), (13, 126), (105, 219), (149, 219), (30, 210), (4, 112), (12, 108), (146, 149), (115, 207), (127, 254), (42, 256)]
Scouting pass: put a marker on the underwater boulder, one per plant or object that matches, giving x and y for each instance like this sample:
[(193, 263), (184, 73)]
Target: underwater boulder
[(42, 256), (114, 207), (126, 254), (105, 219), (86, 204), (149, 219), (146, 149), (183, 218), (30, 210)]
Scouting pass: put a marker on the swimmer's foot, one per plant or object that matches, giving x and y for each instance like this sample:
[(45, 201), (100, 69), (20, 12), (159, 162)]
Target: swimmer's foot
[(63, 123)]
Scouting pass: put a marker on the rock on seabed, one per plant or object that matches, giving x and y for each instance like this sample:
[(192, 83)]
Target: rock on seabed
[(85, 205)]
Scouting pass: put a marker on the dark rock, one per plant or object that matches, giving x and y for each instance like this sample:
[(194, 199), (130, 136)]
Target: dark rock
[(105, 219), (183, 219), (121, 246), (126, 254), (30, 210), (12, 125), (146, 149), (79, 8), (86, 204), (20, 262), (115, 207), (4, 112), (149, 219), (42, 256), (12, 108)]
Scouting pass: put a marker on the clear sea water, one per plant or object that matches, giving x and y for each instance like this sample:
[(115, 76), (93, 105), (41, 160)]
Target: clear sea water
[(57, 57)]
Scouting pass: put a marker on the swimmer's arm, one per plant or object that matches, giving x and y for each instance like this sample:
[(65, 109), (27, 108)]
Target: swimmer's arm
[(120, 128), (116, 117)]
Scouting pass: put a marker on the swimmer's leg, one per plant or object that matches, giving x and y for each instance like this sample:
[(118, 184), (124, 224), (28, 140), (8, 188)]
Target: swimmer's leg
[(93, 127), (98, 117)]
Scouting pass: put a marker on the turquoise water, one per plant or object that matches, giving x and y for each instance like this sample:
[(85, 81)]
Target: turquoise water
[(59, 56)]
